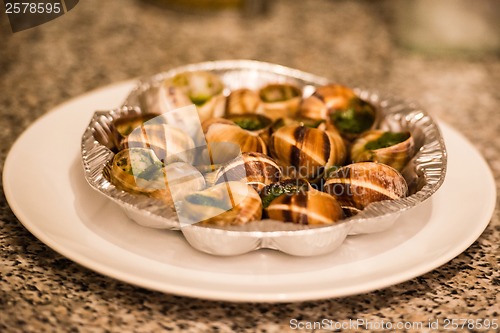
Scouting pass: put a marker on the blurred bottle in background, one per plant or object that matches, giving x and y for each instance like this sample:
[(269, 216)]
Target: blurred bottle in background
[(448, 26)]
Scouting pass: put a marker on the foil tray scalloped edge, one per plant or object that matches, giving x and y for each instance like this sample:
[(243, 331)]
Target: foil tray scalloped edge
[(427, 169)]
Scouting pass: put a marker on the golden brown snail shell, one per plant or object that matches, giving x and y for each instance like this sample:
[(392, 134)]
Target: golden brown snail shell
[(308, 151), (139, 170), (311, 207), (255, 169), (392, 148), (229, 203), (359, 184), (167, 142), (228, 141), (342, 107), (243, 101), (280, 100), (205, 125), (325, 99)]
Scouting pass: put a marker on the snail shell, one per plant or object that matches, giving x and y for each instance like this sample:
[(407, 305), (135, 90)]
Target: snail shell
[(205, 125), (124, 125), (255, 169), (342, 107), (280, 100), (168, 143), (243, 101), (392, 148), (308, 151), (228, 141), (359, 184), (228, 203), (201, 88), (311, 207), (139, 170), (324, 99)]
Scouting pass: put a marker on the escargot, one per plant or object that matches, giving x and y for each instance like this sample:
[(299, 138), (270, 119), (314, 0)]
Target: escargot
[(280, 100), (243, 101), (139, 170), (255, 169), (310, 207), (204, 89), (227, 141), (342, 107), (359, 184), (308, 151), (392, 148), (168, 143), (284, 187), (228, 203), (256, 123)]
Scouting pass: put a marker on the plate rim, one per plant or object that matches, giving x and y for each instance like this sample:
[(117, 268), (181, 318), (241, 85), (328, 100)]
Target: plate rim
[(230, 295)]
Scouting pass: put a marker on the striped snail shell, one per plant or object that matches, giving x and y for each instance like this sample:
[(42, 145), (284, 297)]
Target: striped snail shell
[(243, 101), (168, 143), (229, 203), (308, 151), (255, 169), (226, 141), (280, 100), (392, 148), (139, 170), (359, 184), (310, 207)]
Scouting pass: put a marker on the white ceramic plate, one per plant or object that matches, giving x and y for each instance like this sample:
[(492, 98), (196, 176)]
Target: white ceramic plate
[(45, 187)]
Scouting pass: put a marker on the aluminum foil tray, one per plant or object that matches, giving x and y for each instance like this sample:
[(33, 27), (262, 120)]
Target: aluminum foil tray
[(424, 173)]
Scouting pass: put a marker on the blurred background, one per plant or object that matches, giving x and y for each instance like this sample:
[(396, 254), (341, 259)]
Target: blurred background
[(443, 54)]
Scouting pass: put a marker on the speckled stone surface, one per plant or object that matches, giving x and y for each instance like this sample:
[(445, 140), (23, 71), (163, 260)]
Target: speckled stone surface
[(102, 42)]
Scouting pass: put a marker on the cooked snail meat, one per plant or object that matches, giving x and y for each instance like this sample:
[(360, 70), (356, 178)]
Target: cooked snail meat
[(358, 117), (392, 148), (285, 187), (256, 123)]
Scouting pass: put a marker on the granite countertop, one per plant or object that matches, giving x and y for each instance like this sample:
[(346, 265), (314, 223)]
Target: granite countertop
[(102, 42)]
